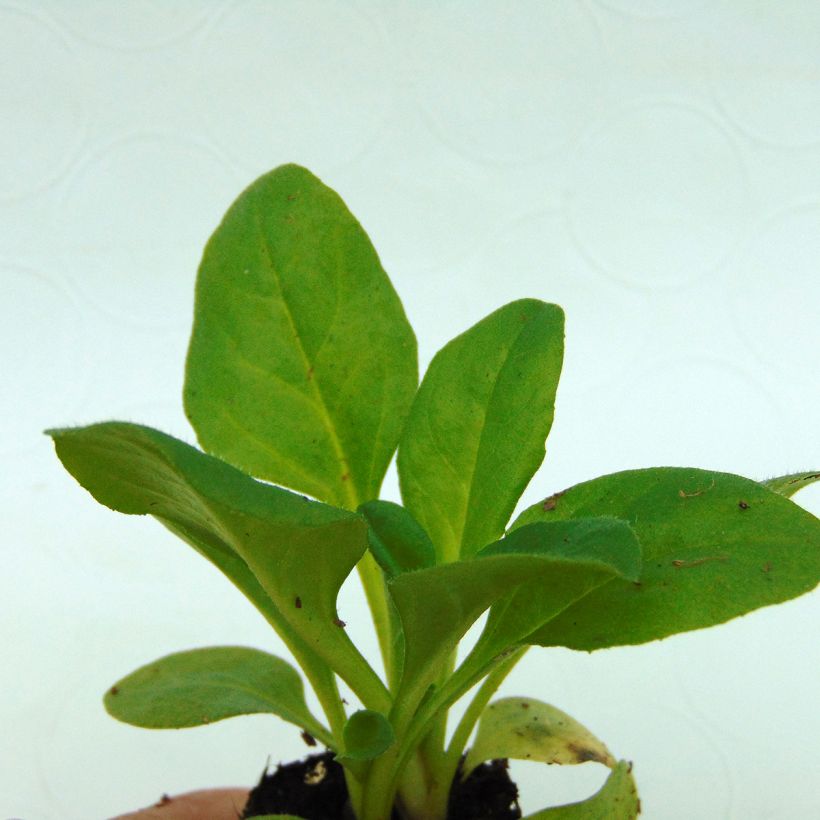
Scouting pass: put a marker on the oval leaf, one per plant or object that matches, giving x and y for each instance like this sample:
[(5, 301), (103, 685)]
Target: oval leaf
[(302, 364), (616, 800), (788, 485), (714, 545), (299, 551), (527, 729), (476, 431), (398, 542), (205, 685)]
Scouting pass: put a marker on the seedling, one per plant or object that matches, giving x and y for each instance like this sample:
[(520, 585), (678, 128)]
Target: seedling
[(302, 374)]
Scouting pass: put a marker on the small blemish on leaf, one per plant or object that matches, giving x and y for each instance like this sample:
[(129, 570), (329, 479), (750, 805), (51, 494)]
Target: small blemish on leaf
[(550, 503), (291, 197), (339, 622), (678, 562), (743, 505), (524, 704), (297, 602), (308, 738), (767, 567), (683, 494), (114, 690), (346, 476), (310, 373)]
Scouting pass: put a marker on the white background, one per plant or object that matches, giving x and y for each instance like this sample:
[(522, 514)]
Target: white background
[(651, 165)]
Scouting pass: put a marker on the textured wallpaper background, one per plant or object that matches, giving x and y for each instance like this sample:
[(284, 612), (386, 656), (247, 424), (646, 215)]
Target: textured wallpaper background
[(651, 165)]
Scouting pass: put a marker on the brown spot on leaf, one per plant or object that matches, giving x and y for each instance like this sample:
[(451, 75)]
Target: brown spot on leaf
[(524, 704), (114, 690), (346, 476), (339, 622), (298, 602), (767, 567), (743, 505), (680, 563), (291, 197), (695, 493), (308, 738), (310, 373), (552, 501), (582, 754)]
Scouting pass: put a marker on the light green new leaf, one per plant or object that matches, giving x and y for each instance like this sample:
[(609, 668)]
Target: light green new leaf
[(788, 485), (476, 430), (527, 729), (398, 542), (616, 800), (714, 545), (302, 365), (299, 551), (205, 685), (438, 605)]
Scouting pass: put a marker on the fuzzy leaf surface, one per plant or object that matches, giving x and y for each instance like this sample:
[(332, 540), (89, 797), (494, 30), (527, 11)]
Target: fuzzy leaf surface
[(438, 605), (206, 685), (528, 729), (398, 542), (515, 616), (616, 800), (477, 427), (299, 551), (302, 364), (788, 485), (715, 546)]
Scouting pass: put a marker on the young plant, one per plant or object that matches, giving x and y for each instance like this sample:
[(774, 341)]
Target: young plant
[(302, 374)]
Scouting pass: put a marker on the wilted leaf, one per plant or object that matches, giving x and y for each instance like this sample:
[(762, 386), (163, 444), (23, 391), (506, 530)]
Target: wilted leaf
[(527, 729)]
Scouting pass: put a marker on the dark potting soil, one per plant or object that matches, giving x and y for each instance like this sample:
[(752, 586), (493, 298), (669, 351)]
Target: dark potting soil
[(314, 788)]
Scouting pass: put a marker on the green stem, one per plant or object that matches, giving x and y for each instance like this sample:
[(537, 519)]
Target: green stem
[(447, 765), (372, 579)]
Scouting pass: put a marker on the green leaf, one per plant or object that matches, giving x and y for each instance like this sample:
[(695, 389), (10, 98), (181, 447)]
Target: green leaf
[(366, 735), (476, 431), (299, 551), (528, 607), (788, 485), (205, 685), (527, 729), (302, 365), (616, 800), (715, 546), (438, 605), (398, 542)]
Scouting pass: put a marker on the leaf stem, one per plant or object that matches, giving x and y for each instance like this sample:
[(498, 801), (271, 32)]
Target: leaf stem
[(446, 766)]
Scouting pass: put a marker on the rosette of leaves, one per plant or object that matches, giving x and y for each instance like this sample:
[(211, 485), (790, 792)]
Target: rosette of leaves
[(301, 384)]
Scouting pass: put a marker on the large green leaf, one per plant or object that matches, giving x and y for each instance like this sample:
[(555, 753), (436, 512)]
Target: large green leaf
[(302, 365), (715, 546), (476, 431), (616, 800), (438, 605), (299, 551), (790, 484), (205, 685), (528, 729)]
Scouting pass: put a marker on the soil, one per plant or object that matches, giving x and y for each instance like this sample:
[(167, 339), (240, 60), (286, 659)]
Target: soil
[(314, 788)]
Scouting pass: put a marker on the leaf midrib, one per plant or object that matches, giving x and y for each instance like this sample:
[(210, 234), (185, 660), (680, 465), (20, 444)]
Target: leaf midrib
[(319, 398)]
